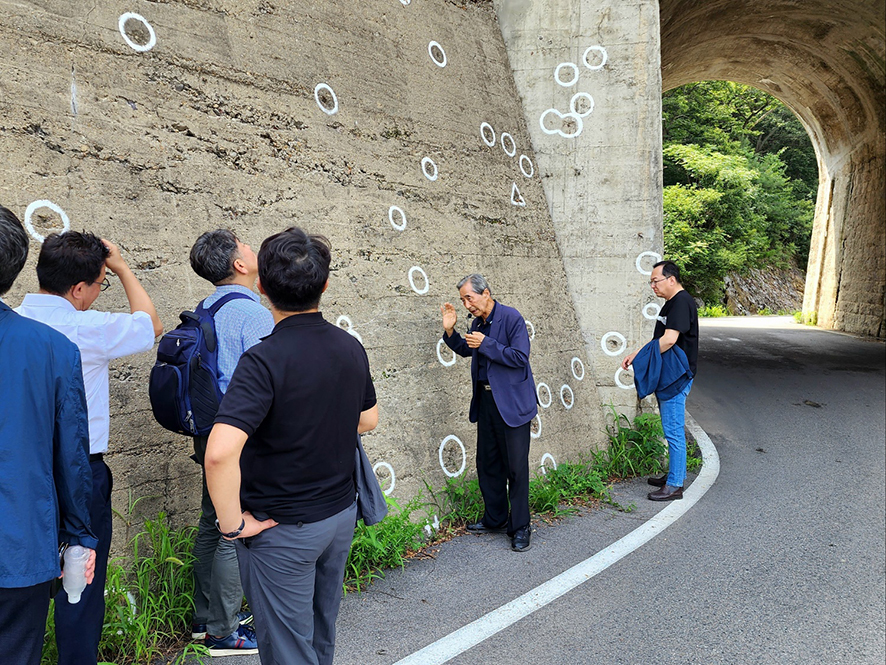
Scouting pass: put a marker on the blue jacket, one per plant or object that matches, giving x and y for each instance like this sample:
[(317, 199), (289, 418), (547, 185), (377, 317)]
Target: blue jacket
[(664, 374), (510, 377), (45, 478)]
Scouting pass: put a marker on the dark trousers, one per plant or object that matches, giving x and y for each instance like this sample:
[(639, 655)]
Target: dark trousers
[(23, 622), (502, 466), (292, 575), (78, 627), (218, 594)]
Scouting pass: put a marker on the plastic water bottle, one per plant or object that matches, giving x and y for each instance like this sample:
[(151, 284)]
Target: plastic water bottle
[(74, 579)]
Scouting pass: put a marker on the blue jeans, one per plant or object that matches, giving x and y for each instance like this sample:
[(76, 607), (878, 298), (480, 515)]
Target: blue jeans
[(673, 422)]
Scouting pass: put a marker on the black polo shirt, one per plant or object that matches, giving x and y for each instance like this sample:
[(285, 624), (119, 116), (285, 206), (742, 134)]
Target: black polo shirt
[(298, 394), (680, 313)]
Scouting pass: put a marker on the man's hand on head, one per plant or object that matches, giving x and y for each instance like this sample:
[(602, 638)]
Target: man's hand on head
[(114, 262)]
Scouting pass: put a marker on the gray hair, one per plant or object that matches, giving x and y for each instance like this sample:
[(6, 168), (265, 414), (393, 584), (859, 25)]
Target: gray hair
[(213, 255), (478, 283)]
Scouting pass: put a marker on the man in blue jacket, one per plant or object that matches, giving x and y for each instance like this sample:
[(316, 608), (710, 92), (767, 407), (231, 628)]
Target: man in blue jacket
[(503, 404), (44, 460)]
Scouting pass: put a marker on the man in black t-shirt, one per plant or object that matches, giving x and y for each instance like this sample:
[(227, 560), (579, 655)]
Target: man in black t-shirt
[(280, 458), (677, 325)]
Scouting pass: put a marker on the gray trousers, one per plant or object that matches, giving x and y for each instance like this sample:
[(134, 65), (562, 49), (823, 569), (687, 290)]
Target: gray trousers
[(292, 575), (218, 595)]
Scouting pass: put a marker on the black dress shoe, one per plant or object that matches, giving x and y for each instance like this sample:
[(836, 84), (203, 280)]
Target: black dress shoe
[(666, 493), (480, 527), (658, 482), (520, 539)]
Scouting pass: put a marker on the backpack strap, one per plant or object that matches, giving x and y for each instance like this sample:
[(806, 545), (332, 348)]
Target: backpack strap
[(209, 329), (221, 302)]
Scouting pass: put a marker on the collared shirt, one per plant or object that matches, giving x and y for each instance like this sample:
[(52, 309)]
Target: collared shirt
[(101, 337), (483, 361), (239, 324)]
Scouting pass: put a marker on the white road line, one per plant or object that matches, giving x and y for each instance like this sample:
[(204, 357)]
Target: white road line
[(474, 633)]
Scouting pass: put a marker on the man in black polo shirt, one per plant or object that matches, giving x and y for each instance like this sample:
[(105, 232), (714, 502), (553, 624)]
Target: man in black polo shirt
[(280, 459)]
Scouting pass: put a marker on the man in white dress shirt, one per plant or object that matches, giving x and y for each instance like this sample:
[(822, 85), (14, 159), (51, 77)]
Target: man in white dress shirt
[(71, 271)]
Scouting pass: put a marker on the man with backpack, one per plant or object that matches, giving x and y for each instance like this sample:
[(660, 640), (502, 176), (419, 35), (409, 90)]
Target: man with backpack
[(240, 322), (71, 272)]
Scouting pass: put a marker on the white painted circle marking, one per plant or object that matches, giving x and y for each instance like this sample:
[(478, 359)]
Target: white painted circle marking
[(350, 329), (653, 255), (488, 140), (538, 394), (623, 386), (537, 434), (152, 36), (579, 123), (656, 308), (603, 57), (43, 203), (424, 168), (573, 104), (623, 343), (530, 329), (399, 211), (531, 167), (327, 111), (445, 363), (390, 469), (542, 463), (580, 364), (405, 2), (565, 388), (424, 289), (561, 82), (439, 63), (516, 197), (464, 456), (513, 150)]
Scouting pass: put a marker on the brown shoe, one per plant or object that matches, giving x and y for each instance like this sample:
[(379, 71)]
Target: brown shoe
[(658, 482), (666, 493)]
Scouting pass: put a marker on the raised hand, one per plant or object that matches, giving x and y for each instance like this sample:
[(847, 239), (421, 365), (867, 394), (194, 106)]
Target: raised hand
[(450, 317)]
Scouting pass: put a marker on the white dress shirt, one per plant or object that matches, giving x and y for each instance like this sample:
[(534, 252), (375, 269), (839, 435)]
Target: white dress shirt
[(101, 337)]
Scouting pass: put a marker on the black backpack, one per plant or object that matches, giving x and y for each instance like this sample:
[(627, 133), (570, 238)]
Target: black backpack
[(183, 386)]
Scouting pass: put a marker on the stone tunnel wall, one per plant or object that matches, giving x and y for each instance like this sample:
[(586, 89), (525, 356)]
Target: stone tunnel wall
[(218, 124)]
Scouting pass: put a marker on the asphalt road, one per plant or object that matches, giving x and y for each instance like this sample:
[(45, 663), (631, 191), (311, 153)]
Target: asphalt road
[(782, 561)]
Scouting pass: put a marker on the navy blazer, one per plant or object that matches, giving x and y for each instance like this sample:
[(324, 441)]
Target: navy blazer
[(507, 349)]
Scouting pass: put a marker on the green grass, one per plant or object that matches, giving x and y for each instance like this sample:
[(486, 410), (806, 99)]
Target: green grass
[(710, 311)]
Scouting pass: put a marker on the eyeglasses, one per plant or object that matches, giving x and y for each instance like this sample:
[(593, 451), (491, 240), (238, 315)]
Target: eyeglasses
[(653, 282), (106, 284)]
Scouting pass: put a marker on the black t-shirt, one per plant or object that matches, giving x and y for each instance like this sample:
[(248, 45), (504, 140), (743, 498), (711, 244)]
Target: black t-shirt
[(298, 395), (680, 313)]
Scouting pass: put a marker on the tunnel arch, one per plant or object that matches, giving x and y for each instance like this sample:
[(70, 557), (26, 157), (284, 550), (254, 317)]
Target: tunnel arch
[(826, 60)]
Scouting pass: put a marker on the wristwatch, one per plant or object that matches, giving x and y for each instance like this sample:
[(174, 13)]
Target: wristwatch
[(232, 534)]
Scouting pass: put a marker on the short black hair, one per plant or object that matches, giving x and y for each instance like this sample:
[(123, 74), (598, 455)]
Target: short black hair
[(14, 247), (213, 255), (293, 268), (669, 269), (68, 258)]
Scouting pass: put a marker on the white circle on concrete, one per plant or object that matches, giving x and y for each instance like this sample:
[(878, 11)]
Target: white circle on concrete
[(152, 36), (399, 211), (43, 203), (623, 343), (579, 123), (618, 382), (531, 167), (565, 388), (327, 111), (513, 150), (439, 63), (405, 2), (350, 327), (483, 135), (537, 434), (561, 82), (530, 329), (573, 104), (445, 363), (542, 463), (603, 57), (653, 255), (424, 168), (424, 289), (538, 388), (464, 456), (390, 469), (580, 364), (656, 308)]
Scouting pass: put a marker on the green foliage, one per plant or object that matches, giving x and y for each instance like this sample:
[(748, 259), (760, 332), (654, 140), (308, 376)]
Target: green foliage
[(713, 311), (569, 484), (460, 501), (740, 178), (636, 450)]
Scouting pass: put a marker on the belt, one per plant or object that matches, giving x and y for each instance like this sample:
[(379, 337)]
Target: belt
[(96, 457), (485, 386)]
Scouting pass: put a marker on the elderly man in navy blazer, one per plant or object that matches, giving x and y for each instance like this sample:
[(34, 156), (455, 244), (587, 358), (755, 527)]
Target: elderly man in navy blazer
[(503, 404)]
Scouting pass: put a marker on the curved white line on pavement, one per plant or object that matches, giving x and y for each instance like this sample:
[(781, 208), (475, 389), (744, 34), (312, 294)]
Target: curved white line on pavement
[(459, 641)]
